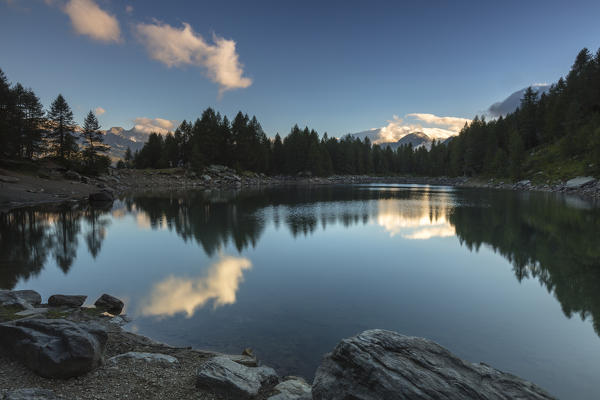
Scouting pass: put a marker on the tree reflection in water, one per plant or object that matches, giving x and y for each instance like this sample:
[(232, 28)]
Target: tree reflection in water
[(544, 236)]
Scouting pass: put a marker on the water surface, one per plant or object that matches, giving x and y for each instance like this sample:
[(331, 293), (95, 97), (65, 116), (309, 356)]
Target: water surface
[(510, 279)]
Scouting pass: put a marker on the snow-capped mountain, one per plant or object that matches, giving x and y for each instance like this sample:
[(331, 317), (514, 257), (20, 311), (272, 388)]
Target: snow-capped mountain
[(513, 101), (417, 139), (120, 139)]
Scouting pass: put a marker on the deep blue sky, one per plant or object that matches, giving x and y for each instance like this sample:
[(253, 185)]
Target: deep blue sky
[(337, 66)]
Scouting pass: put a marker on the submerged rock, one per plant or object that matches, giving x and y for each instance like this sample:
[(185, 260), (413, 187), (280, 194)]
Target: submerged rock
[(58, 300), (110, 304), (223, 376), (379, 364), (54, 348)]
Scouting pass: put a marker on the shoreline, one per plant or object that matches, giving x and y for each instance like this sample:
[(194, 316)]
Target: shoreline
[(24, 189), (63, 350)]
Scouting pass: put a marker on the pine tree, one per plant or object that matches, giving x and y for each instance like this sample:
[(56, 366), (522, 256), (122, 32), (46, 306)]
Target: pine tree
[(62, 128), (34, 125), (94, 141), (7, 111), (516, 155), (528, 124), (277, 156)]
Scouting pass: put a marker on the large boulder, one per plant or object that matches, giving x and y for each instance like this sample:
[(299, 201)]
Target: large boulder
[(59, 300), (379, 364), (54, 348), (23, 299), (224, 377), (109, 303), (579, 182)]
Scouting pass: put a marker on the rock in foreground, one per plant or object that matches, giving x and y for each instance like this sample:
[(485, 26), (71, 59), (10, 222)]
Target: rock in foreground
[(110, 304), (59, 300), (379, 364), (292, 388), (224, 377), (23, 299), (54, 348)]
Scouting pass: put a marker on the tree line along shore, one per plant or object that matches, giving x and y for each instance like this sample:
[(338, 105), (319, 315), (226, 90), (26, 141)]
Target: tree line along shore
[(551, 137)]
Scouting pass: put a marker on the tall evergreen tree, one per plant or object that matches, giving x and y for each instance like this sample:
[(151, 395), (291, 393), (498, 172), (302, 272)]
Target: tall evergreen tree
[(62, 128), (94, 141)]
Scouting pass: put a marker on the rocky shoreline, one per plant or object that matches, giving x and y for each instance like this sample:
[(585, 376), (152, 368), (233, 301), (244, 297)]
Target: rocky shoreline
[(63, 350), (56, 185)]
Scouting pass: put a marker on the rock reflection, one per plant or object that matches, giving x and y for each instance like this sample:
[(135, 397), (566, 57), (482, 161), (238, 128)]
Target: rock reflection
[(185, 295)]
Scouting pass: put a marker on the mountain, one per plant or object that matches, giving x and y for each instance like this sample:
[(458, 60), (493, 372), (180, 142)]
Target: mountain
[(416, 139), (513, 101), (119, 139), (372, 134)]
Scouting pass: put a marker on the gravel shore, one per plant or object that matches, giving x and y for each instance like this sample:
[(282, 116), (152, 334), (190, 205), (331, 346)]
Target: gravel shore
[(54, 185)]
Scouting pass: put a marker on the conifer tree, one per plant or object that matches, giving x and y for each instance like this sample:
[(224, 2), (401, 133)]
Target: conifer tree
[(62, 128)]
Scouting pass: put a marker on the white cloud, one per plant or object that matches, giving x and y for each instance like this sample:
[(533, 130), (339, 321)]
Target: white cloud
[(150, 125), (185, 295), (438, 128), (452, 123), (89, 19), (99, 110), (178, 47)]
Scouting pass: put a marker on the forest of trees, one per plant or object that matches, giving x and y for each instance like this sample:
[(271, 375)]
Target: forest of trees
[(561, 127), (558, 130), (28, 132)]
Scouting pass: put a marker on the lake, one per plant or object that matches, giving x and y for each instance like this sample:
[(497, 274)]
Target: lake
[(506, 278)]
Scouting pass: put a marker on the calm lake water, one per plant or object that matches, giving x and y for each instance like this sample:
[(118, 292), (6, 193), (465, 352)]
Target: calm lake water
[(510, 279)]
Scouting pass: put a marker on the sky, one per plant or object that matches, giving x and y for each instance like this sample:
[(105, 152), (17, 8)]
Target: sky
[(335, 66)]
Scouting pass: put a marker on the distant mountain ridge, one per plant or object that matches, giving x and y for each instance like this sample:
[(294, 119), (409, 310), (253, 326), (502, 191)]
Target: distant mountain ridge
[(416, 139), (119, 139), (512, 102)]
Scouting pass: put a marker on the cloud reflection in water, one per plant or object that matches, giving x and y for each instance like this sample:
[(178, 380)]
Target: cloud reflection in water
[(415, 220), (175, 295)]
